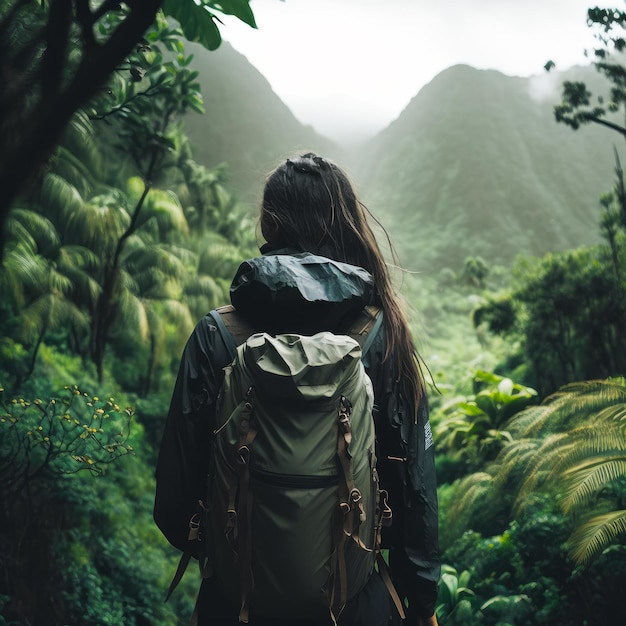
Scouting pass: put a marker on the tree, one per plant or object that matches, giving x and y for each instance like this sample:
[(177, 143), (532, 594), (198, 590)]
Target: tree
[(475, 271), (577, 107), (56, 55), (567, 312), (47, 280), (473, 429)]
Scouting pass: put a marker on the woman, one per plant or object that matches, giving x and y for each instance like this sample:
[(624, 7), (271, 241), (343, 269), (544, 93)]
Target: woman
[(309, 206)]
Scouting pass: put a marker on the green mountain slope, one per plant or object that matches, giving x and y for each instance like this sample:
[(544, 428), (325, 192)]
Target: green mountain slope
[(246, 124), (475, 165)]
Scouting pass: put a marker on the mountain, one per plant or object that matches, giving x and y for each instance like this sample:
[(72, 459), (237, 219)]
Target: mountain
[(477, 165), (246, 124)]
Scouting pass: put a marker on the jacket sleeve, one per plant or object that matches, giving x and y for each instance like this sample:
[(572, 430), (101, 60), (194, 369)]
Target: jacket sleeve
[(406, 465), (183, 461)]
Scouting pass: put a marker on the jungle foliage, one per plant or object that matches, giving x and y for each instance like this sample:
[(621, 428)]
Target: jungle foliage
[(121, 240), (113, 250), (533, 494)]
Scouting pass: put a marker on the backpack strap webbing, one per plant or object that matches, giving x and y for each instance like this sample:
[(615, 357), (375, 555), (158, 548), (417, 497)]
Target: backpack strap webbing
[(235, 329), (365, 327)]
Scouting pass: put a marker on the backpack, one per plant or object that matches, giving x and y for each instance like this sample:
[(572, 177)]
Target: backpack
[(292, 521)]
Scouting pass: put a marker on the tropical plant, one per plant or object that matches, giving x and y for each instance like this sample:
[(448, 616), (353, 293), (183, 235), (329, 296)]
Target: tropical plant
[(571, 447), (88, 541), (40, 439), (580, 455), (473, 428), (56, 55), (456, 602)]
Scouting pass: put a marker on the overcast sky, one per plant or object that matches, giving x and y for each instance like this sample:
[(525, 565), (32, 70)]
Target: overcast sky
[(349, 67)]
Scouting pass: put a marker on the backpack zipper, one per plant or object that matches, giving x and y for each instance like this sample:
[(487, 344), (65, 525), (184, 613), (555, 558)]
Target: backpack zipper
[(293, 481)]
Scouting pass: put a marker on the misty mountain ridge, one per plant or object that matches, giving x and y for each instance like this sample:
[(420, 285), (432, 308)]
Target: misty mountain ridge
[(474, 165), (477, 165), (246, 124)]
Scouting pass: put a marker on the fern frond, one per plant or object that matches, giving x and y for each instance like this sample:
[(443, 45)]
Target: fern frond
[(474, 489), (531, 421), (514, 458)]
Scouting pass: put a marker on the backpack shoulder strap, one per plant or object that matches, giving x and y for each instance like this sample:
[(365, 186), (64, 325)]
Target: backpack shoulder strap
[(366, 326), (233, 328)]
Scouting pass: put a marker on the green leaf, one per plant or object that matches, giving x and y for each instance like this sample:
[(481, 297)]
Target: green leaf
[(238, 8), (196, 22)]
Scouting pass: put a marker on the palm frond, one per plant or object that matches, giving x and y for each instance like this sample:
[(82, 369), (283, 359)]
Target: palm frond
[(80, 132), (100, 223), (126, 285), (49, 312), (145, 257), (202, 285), (178, 314), (541, 464), (77, 158), (134, 316), (80, 265), (613, 413), (78, 256), (188, 257), (35, 227), (162, 206), (85, 288), (74, 170), (596, 458), (23, 273), (59, 283), (570, 406), (564, 456), (60, 199), (590, 538), (19, 236)]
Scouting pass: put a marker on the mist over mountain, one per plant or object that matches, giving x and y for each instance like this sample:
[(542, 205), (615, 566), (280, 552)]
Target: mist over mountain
[(246, 124), (477, 165)]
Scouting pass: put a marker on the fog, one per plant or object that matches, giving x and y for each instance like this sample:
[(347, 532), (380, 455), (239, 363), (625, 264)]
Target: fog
[(349, 67)]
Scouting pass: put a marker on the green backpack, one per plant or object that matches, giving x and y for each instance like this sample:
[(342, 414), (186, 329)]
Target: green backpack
[(292, 522)]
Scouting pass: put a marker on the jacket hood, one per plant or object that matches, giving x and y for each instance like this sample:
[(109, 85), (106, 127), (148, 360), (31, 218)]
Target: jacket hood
[(287, 291)]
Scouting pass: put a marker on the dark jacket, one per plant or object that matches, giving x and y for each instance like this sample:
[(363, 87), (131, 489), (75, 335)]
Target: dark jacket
[(287, 292)]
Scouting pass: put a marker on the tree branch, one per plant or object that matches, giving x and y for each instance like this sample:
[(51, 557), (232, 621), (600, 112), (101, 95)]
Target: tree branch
[(42, 128), (598, 120), (55, 55)]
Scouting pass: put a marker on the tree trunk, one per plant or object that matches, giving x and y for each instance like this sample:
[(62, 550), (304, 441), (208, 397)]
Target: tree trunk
[(29, 135)]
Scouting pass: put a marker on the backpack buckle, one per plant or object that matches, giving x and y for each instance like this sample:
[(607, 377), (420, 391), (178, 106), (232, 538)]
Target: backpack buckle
[(243, 453)]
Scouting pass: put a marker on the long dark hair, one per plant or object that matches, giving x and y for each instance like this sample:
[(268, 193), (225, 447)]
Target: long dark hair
[(310, 204)]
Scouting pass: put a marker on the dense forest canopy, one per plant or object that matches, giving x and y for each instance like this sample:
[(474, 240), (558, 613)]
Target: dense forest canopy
[(121, 229)]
